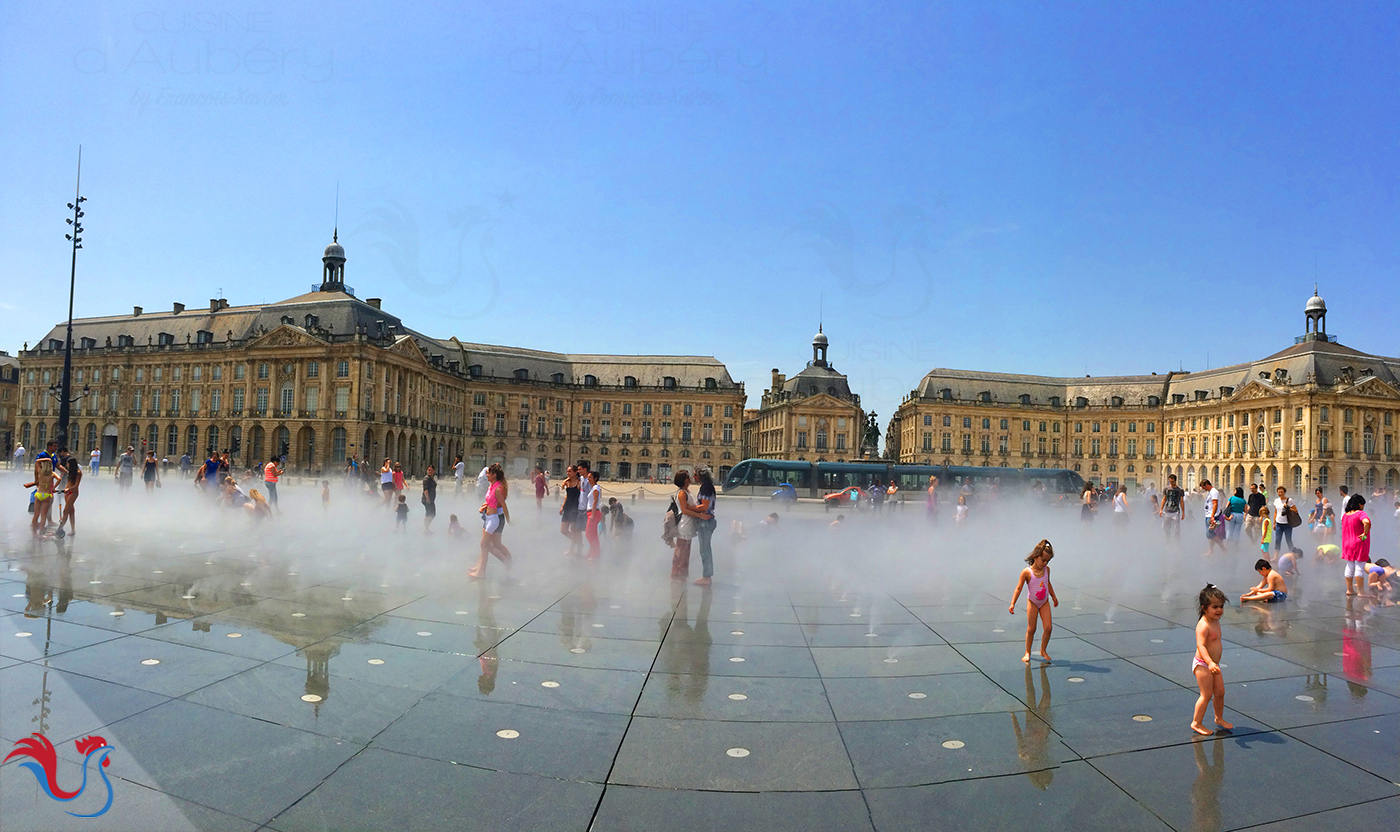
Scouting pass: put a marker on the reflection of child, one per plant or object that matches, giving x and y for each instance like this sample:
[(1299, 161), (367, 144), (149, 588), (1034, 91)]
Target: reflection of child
[(1036, 579), (1206, 663), (1270, 589), (454, 528)]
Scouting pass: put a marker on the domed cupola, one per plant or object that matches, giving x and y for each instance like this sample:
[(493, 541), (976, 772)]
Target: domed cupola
[(333, 266), (1316, 312), (819, 345)]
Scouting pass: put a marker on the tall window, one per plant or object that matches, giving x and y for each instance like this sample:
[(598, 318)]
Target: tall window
[(287, 395), (261, 404), (312, 397)]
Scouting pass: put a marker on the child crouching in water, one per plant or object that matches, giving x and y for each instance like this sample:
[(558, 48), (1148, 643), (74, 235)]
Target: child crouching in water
[(1206, 663), (1036, 579), (1272, 588)]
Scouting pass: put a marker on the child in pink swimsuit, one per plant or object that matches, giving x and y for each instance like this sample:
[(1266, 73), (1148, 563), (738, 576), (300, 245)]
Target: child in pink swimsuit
[(1036, 579), (1206, 663)]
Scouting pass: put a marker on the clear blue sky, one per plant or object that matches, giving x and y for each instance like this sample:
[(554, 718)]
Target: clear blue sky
[(1047, 188)]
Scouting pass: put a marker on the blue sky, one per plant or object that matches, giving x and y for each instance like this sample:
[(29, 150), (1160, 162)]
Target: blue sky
[(1048, 188)]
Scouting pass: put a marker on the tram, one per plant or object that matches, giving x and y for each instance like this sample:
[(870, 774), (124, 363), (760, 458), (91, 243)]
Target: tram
[(761, 477)]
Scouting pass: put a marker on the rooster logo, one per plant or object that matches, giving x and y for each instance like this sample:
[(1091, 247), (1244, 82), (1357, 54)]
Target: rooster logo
[(44, 766)]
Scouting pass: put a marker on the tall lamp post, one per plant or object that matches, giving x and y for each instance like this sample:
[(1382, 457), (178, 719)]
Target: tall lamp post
[(65, 398)]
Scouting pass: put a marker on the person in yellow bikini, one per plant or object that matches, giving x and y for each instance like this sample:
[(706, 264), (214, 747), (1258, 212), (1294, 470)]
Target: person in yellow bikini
[(43, 485)]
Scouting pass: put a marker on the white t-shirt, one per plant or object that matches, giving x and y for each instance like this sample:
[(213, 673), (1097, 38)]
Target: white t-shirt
[(460, 469), (19, 452), (1280, 504), (1213, 499), (1120, 503), (96, 455), (962, 512)]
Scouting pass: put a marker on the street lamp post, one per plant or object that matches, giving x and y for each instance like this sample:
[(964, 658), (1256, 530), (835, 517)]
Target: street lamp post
[(65, 399)]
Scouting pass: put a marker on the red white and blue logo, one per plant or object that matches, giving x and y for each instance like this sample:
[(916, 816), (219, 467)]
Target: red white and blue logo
[(43, 764)]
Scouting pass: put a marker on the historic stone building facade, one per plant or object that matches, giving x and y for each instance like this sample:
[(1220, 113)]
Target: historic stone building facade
[(9, 402), (1316, 413), (811, 416), (326, 375)]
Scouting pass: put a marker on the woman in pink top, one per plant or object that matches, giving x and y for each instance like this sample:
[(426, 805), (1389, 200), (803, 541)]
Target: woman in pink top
[(493, 520), (1356, 543)]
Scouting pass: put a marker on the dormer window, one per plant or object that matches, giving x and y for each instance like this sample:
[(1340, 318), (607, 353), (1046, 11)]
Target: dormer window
[(831, 391), (522, 374), (204, 336), (711, 384), (1054, 401), (89, 343), (1154, 401), (557, 378), (669, 382), (984, 396), (590, 381), (474, 371), (946, 394), (165, 339), (126, 341), (1081, 402), (1116, 401), (1178, 398), (629, 381), (55, 344), (1025, 399), (1202, 395), (1226, 392)]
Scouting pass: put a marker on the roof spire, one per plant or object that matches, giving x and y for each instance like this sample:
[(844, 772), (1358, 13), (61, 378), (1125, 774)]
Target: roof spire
[(335, 235)]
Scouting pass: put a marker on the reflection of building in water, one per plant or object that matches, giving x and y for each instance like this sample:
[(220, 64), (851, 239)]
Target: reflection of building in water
[(317, 637), (1314, 414)]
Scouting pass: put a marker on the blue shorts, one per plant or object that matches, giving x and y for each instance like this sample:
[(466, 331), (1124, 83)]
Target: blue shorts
[(1279, 595)]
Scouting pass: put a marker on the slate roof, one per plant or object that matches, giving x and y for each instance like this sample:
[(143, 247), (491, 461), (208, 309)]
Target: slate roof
[(340, 314)]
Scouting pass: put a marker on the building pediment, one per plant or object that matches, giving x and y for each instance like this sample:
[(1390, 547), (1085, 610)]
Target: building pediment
[(408, 347), (1372, 387), (1255, 389), (286, 336)]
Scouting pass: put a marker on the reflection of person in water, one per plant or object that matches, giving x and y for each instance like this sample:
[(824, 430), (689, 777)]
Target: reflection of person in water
[(1033, 739), (1205, 792), (1356, 646), (487, 635), (687, 661)]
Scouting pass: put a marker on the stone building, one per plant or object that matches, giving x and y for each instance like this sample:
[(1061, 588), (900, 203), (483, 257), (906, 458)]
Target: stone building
[(325, 375), (1316, 413), (9, 402), (810, 416)]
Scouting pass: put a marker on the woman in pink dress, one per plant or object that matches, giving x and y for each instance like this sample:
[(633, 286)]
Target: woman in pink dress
[(1356, 543)]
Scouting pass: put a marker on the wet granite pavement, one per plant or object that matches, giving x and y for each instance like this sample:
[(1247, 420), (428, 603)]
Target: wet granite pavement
[(322, 683)]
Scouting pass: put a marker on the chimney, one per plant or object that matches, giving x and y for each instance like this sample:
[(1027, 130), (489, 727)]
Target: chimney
[(179, 307), (213, 305), (373, 302), (223, 303), (777, 379), (135, 311)]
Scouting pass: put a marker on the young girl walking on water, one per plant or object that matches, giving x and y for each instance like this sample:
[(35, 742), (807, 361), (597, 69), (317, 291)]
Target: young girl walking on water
[(1036, 579), (1206, 663)]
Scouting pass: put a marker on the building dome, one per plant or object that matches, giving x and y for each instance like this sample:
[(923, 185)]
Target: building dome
[(334, 250), (820, 339), (1315, 304)]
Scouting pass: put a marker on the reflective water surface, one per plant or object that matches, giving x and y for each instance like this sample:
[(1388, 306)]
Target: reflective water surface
[(319, 672)]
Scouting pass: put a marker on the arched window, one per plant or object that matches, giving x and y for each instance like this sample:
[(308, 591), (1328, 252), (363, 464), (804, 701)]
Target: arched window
[(629, 381), (338, 445), (212, 446), (590, 381), (192, 441)]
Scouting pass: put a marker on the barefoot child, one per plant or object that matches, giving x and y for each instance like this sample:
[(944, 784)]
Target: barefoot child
[(1270, 589), (325, 495), (1036, 579), (454, 528), (1206, 663)]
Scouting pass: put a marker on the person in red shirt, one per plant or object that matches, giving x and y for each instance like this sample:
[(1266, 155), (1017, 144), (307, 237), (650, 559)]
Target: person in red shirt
[(271, 472), (398, 479)]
